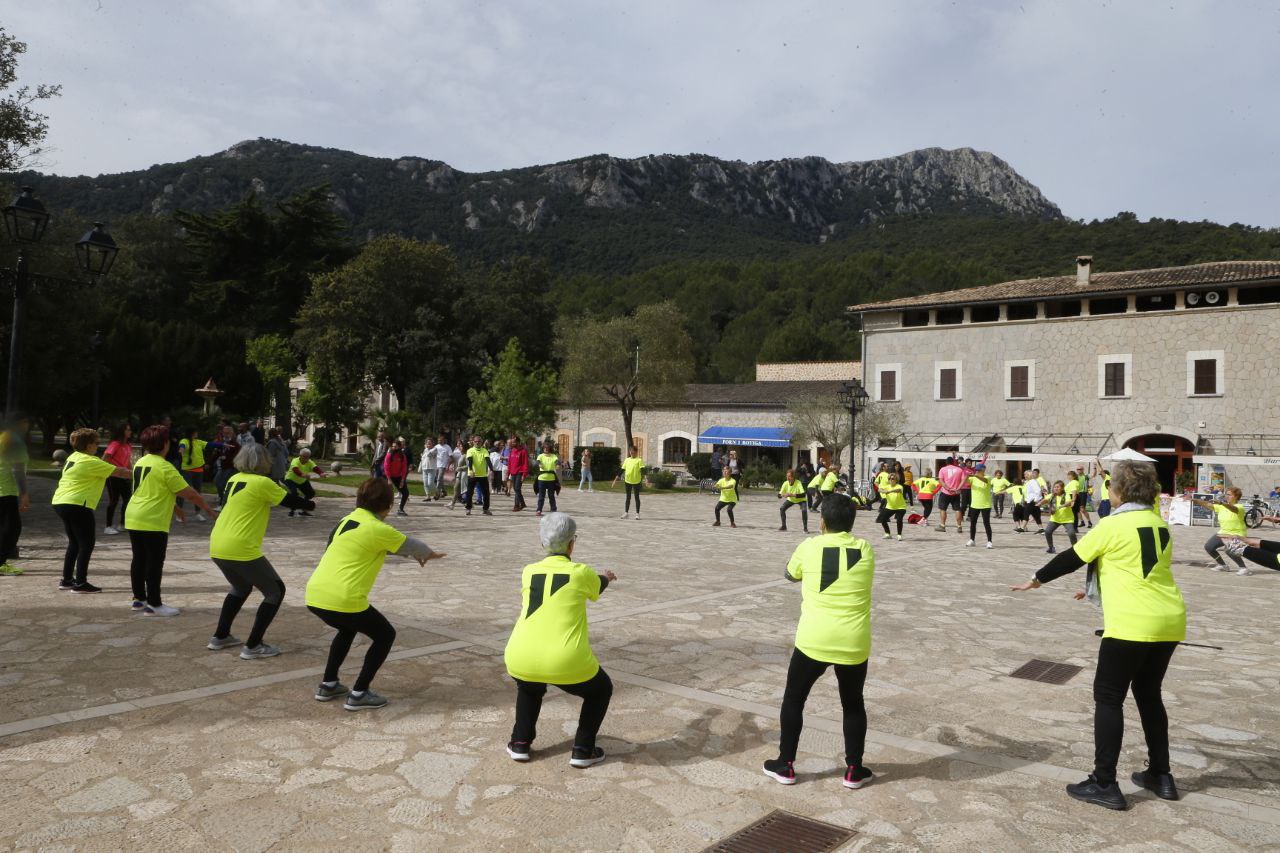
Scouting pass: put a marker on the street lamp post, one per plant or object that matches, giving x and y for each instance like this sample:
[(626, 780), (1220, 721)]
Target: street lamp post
[(853, 395), (25, 221)]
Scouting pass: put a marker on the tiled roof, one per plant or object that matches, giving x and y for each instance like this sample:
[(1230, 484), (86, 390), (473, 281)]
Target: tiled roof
[(1195, 275)]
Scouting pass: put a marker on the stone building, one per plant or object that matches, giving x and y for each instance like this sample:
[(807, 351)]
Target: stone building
[(1053, 371), (750, 417)]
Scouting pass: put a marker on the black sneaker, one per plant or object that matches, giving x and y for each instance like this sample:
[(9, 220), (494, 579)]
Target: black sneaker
[(856, 777), (780, 771), (66, 586), (583, 757), (1090, 791), (518, 750), (327, 693), (1160, 783), (86, 587)]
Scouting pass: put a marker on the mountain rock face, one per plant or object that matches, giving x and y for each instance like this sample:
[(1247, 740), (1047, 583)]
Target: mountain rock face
[(805, 199)]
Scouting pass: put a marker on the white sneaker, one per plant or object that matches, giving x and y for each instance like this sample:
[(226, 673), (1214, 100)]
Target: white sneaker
[(179, 519), (1244, 571), (626, 515), (637, 516), (112, 531), (1219, 567), (989, 545), (899, 537), (969, 544), (160, 610), (200, 516)]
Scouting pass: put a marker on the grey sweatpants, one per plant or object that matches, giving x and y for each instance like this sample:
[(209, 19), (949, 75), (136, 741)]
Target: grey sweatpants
[(1213, 544), (1051, 525)]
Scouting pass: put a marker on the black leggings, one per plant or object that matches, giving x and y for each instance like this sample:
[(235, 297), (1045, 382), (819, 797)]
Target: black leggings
[(1125, 665), (547, 492), (801, 675), (79, 524), (1267, 554), (1033, 512), (722, 505), (244, 576), (595, 693), (10, 527), (885, 514), (149, 547), (926, 504), (517, 491), (401, 485), (633, 489), (804, 513), (974, 515), (119, 490), (369, 622)]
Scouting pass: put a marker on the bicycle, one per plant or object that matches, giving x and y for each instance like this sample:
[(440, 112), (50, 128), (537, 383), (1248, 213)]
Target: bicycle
[(1259, 510)]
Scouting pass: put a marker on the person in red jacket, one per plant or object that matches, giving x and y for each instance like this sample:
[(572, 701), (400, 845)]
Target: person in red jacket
[(395, 465), (517, 470)]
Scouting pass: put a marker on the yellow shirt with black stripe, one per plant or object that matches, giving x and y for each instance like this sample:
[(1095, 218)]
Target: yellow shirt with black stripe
[(549, 642), (83, 477), (836, 571), (1134, 557)]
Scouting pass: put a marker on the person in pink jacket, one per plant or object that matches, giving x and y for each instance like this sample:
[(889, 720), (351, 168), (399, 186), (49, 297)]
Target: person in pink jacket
[(517, 470), (395, 466)]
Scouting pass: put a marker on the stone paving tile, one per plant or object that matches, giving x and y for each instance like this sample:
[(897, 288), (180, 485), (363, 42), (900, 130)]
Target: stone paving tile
[(697, 634)]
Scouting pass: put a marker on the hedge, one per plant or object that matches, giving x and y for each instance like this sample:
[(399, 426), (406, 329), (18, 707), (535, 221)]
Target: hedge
[(699, 465)]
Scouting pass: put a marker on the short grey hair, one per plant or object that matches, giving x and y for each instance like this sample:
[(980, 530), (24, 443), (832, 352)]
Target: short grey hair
[(306, 451), (1136, 482), (557, 530), (253, 459)]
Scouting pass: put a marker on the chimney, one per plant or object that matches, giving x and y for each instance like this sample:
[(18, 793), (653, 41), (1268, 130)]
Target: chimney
[(1084, 269)]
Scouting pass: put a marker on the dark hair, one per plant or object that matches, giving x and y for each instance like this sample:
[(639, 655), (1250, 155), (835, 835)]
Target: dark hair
[(273, 433), (375, 494), (117, 434), (154, 438), (837, 513)]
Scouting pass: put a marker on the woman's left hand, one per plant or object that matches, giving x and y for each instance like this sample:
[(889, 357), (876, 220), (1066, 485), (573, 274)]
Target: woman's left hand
[(1031, 584)]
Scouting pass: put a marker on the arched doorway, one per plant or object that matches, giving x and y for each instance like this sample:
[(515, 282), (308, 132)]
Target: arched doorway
[(1172, 454)]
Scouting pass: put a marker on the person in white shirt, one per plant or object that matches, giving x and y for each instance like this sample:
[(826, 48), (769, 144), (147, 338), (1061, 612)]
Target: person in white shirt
[(461, 481), (444, 458), (427, 466), (1034, 496)]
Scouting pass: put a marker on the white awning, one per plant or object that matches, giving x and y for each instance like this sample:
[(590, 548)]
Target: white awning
[(1236, 460)]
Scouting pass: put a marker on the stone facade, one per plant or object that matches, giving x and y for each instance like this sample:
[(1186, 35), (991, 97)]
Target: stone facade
[(1066, 375), (808, 371)]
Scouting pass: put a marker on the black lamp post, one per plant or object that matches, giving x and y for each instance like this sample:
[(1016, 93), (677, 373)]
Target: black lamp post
[(25, 221), (853, 395)]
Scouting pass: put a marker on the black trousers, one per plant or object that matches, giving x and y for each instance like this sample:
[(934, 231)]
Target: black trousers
[(401, 485), (79, 524), (244, 576), (722, 505), (595, 693), (517, 491), (974, 515), (1033, 512), (369, 622), (547, 492), (803, 672), (303, 489), (10, 527), (1267, 554), (119, 490), (804, 513), (1125, 665), (149, 548), (926, 505), (632, 489), (481, 483), (885, 514)]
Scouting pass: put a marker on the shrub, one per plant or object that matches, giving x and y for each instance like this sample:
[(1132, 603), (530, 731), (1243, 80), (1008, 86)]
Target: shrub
[(699, 466), (761, 473), (606, 462), (1183, 480), (661, 478)]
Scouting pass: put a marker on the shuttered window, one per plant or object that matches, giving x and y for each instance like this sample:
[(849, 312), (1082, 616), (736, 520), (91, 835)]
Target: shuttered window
[(1020, 381), (1206, 376), (1113, 384), (888, 385), (947, 383)]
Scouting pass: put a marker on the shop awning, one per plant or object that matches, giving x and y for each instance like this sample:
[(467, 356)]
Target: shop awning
[(746, 436)]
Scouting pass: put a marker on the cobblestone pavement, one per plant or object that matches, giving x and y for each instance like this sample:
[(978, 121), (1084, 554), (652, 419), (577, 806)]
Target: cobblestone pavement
[(122, 731)]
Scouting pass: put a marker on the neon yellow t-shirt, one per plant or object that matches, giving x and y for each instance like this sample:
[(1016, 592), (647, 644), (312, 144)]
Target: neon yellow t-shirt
[(925, 487), (816, 482), (305, 467), (192, 454), (632, 470), (882, 480), (1071, 488), (999, 485), (241, 524), (836, 570), (155, 482), (979, 494), (13, 451), (829, 482), (1063, 511), (547, 466), (478, 461), (1228, 521), (83, 477), (1134, 555), (549, 642), (357, 548), (1017, 492), (728, 490), (892, 494), (793, 491)]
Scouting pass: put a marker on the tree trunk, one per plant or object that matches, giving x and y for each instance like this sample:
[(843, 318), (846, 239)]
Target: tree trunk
[(628, 409)]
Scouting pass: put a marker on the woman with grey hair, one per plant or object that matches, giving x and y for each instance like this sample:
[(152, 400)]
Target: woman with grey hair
[(549, 643), (235, 545), (1144, 619)]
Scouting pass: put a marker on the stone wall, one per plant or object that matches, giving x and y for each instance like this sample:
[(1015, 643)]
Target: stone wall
[(808, 371)]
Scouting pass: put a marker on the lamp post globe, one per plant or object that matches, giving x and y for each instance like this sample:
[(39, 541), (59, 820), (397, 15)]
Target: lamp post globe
[(96, 251), (26, 218)]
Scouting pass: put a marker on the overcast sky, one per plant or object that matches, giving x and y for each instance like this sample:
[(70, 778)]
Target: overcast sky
[(1163, 108)]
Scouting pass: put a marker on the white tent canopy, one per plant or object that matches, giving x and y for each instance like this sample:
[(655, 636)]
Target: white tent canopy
[(1128, 453)]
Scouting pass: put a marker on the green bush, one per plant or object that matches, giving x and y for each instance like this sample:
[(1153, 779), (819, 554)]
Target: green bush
[(606, 462), (699, 466), (761, 473), (661, 478)]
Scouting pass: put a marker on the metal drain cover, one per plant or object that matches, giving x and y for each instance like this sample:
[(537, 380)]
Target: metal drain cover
[(783, 832), (1046, 671)]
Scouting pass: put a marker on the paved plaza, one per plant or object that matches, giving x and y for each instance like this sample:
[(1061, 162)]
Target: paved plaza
[(123, 732)]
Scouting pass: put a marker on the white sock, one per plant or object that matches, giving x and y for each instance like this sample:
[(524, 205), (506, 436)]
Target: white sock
[(357, 693)]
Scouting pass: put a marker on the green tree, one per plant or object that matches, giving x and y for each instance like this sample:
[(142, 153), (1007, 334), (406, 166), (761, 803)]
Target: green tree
[(22, 128), (644, 356), (330, 405), (377, 319), (824, 420), (515, 397), (276, 361)]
